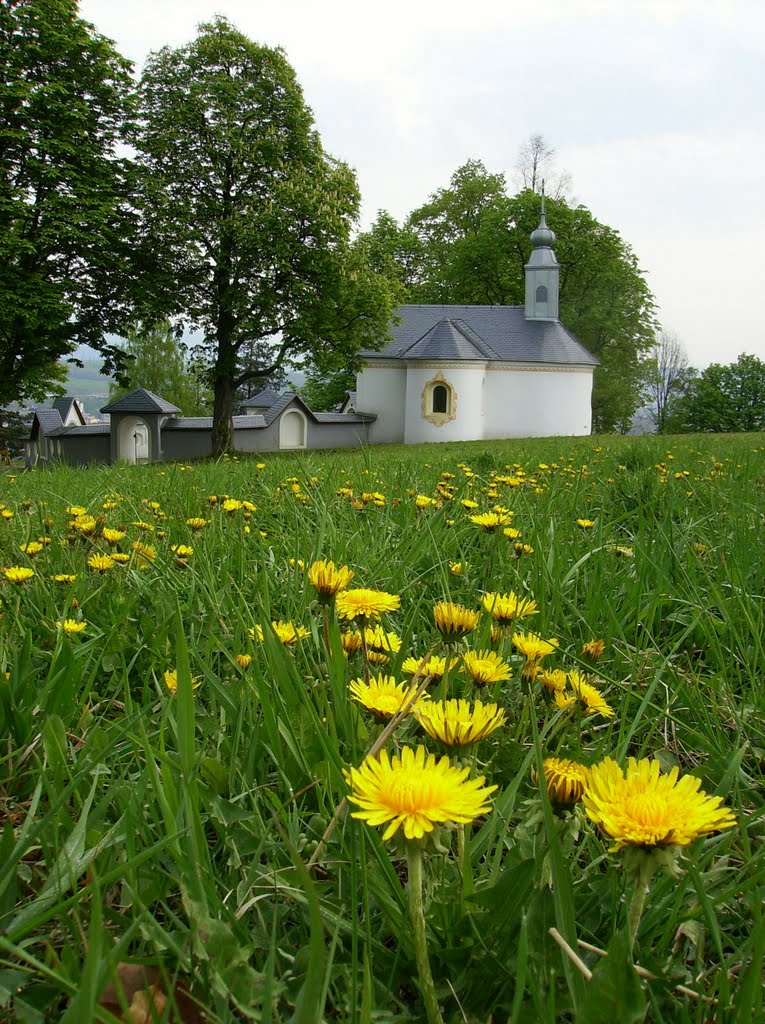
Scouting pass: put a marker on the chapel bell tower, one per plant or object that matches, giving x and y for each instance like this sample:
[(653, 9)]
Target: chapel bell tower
[(542, 273)]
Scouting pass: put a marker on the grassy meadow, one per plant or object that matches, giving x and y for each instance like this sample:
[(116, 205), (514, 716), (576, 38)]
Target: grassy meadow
[(176, 842)]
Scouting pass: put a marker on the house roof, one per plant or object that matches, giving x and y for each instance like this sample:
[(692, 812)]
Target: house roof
[(47, 421), (206, 422), (141, 400), (66, 405), (87, 428), (488, 333), (263, 400), (345, 417)]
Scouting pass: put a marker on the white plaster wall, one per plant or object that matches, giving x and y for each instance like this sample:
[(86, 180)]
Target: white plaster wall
[(468, 384), (538, 403), (381, 390)]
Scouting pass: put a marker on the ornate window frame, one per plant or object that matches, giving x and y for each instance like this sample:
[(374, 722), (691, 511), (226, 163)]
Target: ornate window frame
[(438, 419)]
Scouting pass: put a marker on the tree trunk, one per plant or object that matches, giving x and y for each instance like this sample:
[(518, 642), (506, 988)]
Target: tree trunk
[(223, 411)]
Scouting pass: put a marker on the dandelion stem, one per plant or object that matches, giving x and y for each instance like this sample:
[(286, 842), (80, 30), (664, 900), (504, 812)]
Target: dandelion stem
[(642, 872), (417, 917)]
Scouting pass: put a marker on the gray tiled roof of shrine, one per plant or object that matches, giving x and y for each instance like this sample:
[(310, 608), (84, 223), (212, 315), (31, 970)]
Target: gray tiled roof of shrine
[(139, 401), (490, 333)]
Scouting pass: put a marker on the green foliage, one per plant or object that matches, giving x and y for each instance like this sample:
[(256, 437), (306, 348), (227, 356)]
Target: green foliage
[(323, 392), (724, 398), (156, 360), (66, 216), (469, 244), (250, 219)]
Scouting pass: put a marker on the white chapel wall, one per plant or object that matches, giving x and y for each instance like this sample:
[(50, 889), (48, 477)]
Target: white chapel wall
[(381, 390), (536, 402), (467, 385)]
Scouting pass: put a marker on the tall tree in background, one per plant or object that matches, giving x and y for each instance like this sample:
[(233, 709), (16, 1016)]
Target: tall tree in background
[(472, 243), (66, 220), (251, 217), (536, 164), (667, 376), (724, 399), (253, 357), (156, 360)]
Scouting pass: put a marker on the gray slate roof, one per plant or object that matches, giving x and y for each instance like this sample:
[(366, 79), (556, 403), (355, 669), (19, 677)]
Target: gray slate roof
[(206, 422), (345, 417), (88, 428), (263, 400), (141, 400), (486, 333), (47, 421), (65, 405)]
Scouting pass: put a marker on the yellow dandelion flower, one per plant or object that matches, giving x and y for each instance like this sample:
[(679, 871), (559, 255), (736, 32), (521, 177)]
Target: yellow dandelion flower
[(593, 701), (593, 649), (533, 648), (457, 568), (523, 549), (112, 536), (7, 513), (434, 667), (287, 632), (120, 558), (101, 563), (71, 626), (553, 680), (459, 723), (415, 792), (327, 579), (378, 640), (422, 501), (621, 551), (18, 573), (64, 577), (196, 523), (31, 548), (231, 505), (171, 681), (243, 660), (76, 510), (454, 620), (585, 524), (642, 807), (182, 551), (85, 524), (565, 780), (351, 641), (143, 552), (469, 503), (564, 699), (506, 608), (491, 521), (144, 527), (365, 604), (485, 667), (383, 696)]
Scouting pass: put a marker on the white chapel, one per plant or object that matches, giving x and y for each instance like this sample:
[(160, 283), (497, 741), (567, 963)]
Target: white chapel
[(465, 373)]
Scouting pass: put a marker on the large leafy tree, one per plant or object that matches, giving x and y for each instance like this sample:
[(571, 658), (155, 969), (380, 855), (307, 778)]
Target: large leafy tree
[(470, 242), (724, 399), (250, 217), (66, 218)]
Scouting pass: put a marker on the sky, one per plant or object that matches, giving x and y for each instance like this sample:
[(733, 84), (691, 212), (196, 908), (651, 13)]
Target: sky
[(656, 109)]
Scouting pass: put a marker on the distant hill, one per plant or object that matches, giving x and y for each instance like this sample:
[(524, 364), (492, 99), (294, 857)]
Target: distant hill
[(89, 385)]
